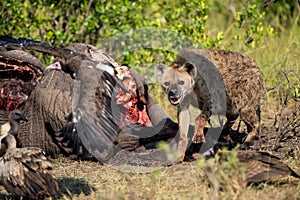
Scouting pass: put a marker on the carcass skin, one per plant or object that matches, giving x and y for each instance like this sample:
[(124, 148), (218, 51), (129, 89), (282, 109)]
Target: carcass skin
[(20, 72)]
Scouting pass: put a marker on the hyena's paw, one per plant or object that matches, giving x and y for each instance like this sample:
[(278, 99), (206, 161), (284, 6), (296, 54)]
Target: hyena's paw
[(250, 137), (199, 129), (198, 138)]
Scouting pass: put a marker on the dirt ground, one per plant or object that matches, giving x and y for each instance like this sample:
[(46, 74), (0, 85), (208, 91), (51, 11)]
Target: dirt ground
[(92, 180), (280, 131)]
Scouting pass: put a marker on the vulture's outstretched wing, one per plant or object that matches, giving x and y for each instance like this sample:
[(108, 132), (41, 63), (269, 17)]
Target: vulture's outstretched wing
[(10, 43), (262, 166), (27, 173), (96, 124), (97, 118), (69, 137), (69, 59)]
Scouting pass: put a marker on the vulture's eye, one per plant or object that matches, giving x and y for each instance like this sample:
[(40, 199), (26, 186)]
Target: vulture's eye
[(17, 114)]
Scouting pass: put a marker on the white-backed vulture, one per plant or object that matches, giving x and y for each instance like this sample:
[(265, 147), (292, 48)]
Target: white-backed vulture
[(24, 172)]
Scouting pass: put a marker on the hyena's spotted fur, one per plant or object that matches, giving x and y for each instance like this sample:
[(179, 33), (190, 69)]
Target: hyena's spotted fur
[(243, 81), (244, 84)]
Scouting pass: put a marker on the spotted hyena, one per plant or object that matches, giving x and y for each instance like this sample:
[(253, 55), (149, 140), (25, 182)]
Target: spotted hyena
[(242, 79)]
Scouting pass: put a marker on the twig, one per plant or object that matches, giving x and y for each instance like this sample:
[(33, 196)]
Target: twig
[(232, 8), (290, 125), (88, 10)]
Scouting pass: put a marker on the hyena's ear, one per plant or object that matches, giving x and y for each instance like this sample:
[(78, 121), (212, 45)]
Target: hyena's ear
[(159, 70), (190, 68)]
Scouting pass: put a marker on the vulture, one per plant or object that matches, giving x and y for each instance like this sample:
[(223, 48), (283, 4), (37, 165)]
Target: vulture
[(12, 120), (262, 166), (107, 98), (24, 172)]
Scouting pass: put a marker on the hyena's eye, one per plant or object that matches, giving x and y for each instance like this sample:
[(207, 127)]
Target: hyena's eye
[(166, 83), (181, 82)]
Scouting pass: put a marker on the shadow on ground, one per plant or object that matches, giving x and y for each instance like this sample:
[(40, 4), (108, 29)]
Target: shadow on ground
[(7, 196), (74, 186)]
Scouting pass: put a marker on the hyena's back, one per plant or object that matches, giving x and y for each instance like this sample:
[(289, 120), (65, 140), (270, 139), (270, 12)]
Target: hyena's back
[(244, 84), (243, 80)]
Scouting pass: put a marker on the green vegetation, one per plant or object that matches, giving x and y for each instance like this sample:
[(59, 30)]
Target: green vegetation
[(141, 33), (256, 32), (132, 31)]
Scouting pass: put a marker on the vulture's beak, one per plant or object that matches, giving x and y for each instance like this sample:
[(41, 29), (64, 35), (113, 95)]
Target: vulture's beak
[(24, 117)]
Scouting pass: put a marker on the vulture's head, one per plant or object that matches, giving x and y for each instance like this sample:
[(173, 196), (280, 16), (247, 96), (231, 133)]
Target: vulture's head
[(55, 66), (17, 115)]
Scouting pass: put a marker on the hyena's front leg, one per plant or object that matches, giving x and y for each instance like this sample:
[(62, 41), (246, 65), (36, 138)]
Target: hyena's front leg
[(183, 121)]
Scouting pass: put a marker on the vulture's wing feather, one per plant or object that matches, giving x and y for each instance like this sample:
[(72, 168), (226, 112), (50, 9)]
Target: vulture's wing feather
[(27, 173), (96, 125), (10, 43), (27, 44), (5, 40), (70, 137), (263, 166)]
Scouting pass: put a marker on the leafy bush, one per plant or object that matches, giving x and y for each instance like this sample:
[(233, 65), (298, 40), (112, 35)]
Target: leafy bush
[(250, 20), (64, 22)]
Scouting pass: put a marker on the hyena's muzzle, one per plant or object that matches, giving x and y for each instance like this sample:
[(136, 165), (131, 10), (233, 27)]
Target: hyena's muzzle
[(174, 94)]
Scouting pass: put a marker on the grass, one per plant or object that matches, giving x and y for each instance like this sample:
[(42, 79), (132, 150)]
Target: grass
[(274, 55), (90, 180)]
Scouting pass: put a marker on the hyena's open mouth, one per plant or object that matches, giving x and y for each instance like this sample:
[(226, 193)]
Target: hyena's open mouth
[(174, 100)]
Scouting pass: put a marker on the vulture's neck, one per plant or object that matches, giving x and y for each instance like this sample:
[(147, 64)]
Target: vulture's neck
[(5, 128), (11, 141), (14, 127)]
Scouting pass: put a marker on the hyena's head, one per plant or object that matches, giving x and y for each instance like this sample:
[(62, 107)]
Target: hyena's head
[(177, 80)]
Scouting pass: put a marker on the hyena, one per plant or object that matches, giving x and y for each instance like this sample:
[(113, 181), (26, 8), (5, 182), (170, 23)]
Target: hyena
[(242, 79)]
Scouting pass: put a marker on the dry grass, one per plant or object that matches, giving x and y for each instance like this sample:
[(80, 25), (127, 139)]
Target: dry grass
[(91, 180)]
